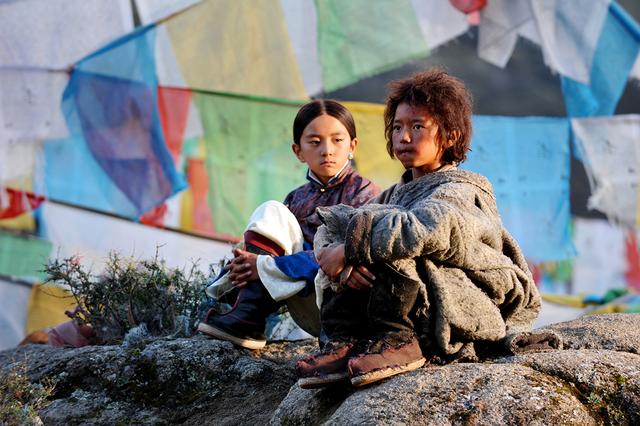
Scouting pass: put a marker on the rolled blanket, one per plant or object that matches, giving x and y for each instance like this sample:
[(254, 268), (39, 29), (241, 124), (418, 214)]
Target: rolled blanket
[(531, 341)]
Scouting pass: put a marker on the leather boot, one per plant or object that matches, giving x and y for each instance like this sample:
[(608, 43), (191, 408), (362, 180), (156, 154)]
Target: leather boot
[(245, 322)]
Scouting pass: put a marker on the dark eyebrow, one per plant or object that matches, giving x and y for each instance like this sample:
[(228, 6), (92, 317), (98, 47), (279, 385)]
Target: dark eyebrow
[(315, 135), (420, 120)]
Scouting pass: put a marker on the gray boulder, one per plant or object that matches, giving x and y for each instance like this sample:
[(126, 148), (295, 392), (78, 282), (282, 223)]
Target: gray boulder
[(595, 380), (189, 381)]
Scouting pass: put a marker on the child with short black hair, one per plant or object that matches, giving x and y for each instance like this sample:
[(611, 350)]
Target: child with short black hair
[(277, 264), (430, 269)]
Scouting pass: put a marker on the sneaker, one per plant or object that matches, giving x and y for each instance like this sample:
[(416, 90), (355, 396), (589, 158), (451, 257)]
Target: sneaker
[(327, 367), (382, 360)]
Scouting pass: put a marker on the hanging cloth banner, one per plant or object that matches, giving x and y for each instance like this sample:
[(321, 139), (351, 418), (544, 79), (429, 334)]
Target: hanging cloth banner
[(527, 162), (22, 256), (151, 11), (111, 104), (196, 214), (57, 33), (371, 158), (616, 52), (611, 151), (302, 22), (72, 232), (14, 302), (556, 25), (356, 40), (14, 203), (440, 21), (601, 257), (174, 105), (249, 158), (39, 39), (30, 105), (237, 47)]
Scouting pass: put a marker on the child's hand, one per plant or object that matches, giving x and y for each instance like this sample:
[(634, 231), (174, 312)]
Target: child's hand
[(360, 278), (242, 268), (332, 260)]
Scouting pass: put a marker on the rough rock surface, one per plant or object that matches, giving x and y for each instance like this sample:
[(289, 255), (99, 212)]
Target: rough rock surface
[(186, 381), (595, 380)]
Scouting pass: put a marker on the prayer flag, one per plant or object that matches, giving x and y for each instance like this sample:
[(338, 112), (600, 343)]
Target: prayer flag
[(615, 54), (527, 162), (249, 158), (14, 203), (357, 40), (111, 105), (238, 47)]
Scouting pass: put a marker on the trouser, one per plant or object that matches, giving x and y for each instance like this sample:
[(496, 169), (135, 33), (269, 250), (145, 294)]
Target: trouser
[(385, 309)]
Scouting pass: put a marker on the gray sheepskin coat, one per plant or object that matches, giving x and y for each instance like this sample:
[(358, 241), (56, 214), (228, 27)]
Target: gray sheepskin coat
[(444, 230)]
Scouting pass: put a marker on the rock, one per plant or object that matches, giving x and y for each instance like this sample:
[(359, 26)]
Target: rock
[(192, 381), (463, 394), (596, 380), (616, 332)]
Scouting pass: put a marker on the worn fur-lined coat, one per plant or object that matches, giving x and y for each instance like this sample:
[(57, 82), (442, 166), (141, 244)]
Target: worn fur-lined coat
[(444, 230)]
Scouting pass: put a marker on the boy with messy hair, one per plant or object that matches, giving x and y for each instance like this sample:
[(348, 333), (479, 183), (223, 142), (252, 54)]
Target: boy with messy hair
[(427, 270)]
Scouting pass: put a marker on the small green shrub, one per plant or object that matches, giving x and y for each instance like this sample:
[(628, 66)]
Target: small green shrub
[(132, 293), (20, 400)]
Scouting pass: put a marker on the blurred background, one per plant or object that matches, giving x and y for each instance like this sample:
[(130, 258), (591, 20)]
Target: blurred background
[(157, 126)]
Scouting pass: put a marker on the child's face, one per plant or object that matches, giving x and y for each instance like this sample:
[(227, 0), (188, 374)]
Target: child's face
[(415, 139), (325, 146)]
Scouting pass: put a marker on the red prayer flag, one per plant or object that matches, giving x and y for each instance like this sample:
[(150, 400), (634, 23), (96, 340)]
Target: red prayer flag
[(468, 6), (173, 104), (632, 273), (198, 179), (19, 202), (155, 217)]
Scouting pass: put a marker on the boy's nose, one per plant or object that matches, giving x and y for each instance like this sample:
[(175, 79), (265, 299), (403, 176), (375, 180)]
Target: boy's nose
[(327, 149), (406, 137)]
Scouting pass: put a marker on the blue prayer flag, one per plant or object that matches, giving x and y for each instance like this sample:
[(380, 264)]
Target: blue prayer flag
[(110, 105), (527, 162), (614, 57)]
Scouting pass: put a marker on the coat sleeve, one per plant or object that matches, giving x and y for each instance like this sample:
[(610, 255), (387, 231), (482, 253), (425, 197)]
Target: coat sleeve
[(438, 228)]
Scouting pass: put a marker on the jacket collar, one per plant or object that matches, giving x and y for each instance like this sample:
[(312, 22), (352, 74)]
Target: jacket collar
[(334, 181)]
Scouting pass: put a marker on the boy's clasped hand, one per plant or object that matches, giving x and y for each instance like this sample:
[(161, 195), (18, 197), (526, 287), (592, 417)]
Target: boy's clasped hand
[(332, 261)]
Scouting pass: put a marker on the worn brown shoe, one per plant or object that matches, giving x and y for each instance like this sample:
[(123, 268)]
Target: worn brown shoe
[(327, 367), (382, 360)]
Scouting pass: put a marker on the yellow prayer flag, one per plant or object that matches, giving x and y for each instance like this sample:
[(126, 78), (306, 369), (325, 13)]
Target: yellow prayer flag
[(371, 158), (47, 304), (238, 47)]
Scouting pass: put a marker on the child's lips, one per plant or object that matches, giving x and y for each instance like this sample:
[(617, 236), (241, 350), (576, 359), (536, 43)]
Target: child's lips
[(404, 153)]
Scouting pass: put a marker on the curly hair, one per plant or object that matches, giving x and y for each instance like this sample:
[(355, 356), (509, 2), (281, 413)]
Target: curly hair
[(448, 101)]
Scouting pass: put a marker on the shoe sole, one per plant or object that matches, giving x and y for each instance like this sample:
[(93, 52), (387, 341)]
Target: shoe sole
[(374, 376), (222, 335), (322, 381)]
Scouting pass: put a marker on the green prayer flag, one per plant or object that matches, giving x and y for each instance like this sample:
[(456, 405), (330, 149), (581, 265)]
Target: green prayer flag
[(248, 156), (360, 38), (23, 256)]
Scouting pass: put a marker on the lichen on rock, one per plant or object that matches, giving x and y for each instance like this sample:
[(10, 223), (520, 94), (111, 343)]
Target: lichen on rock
[(201, 381)]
